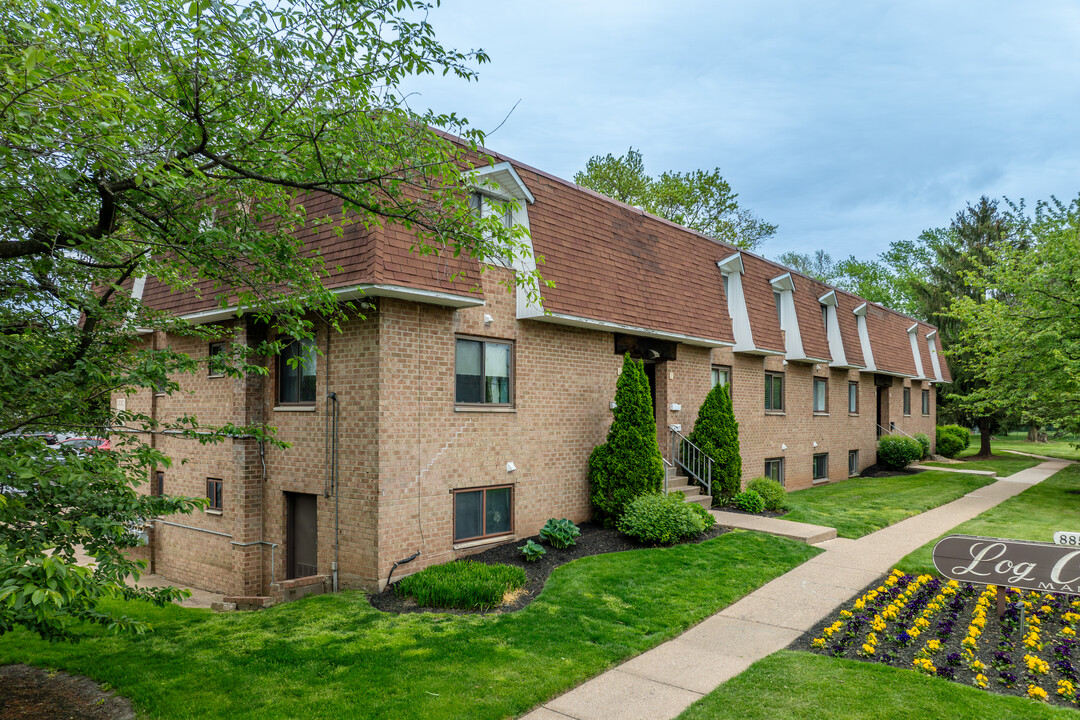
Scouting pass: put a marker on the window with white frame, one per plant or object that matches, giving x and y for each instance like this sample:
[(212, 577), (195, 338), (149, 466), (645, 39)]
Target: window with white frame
[(853, 398), (721, 375), (925, 402), (774, 469), (483, 372), (907, 401), (852, 463), (821, 395)]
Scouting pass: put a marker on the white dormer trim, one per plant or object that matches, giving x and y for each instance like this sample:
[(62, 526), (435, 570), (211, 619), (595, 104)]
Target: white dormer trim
[(935, 362), (501, 181), (789, 319), (836, 340), (913, 336), (732, 269), (864, 338)]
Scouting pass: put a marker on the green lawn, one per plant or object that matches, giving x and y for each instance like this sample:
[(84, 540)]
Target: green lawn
[(803, 686), (1004, 465), (1032, 515), (334, 656), (1065, 449), (858, 506)]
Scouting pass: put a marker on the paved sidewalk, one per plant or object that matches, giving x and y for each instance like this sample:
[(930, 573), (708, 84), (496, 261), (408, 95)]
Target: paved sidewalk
[(949, 467), (661, 683)]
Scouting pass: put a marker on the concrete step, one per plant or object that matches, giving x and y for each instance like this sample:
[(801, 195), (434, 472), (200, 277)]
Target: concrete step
[(672, 471), (686, 489), (704, 501)]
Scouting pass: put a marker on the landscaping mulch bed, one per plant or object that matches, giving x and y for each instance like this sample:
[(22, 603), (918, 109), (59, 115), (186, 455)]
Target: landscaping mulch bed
[(30, 693), (998, 657), (595, 539), (877, 471)]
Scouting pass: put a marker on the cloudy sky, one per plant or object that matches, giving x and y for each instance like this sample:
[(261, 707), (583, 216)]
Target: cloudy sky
[(849, 124)]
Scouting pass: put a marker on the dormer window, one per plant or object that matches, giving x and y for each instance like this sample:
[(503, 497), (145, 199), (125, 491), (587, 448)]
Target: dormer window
[(825, 318), (778, 299), (486, 206)]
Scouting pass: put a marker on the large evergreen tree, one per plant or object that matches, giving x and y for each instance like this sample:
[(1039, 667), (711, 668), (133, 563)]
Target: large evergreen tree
[(717, 434), (629, 464)]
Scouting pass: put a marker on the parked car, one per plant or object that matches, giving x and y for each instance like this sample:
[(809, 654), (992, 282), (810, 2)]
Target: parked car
[(86, 444)]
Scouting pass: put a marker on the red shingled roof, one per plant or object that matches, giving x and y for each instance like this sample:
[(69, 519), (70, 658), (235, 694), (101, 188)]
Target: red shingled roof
[(612, 263)]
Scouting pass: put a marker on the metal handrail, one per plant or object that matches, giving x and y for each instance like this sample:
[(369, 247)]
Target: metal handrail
[(895, 430), (692, 459)]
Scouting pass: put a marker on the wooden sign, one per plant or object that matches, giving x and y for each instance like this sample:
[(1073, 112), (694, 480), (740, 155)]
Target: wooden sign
[(1045, 567)]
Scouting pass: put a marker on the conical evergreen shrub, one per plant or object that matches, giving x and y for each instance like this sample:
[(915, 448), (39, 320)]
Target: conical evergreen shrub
[(717, 434), (629, 464)]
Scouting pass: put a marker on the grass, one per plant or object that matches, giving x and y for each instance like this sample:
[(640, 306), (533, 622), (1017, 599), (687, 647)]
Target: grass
[(1032, 515), (1065, 449), (858, 506), (799, 685), (461, 584), (1003, 465), (334, 656)]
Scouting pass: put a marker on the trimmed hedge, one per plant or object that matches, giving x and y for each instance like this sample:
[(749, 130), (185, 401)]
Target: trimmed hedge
[(771, 492), (717, 434), (952, 439), (659, 519), (629, 464), (465, 584), (898, 451)]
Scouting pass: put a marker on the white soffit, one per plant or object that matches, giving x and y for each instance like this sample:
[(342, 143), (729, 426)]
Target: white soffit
[(501, 179), (783, 282), (589, 323), (731, 264)]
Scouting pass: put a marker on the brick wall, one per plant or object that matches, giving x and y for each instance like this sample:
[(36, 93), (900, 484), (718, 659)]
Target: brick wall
[(404, 446)]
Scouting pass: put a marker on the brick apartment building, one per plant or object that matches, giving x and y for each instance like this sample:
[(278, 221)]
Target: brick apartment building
[(449, 418)]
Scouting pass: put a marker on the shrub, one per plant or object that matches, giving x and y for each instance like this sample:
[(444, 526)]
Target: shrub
[(660, 519), (717, 434), (948, 444), (749, 501), (465, 584), (772, 493), (629, 463), (559, 533), (897, 451), (925, 442), (532, 551), (960, 433)]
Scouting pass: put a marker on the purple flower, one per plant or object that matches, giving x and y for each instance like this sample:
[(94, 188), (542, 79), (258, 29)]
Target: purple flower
[(952, 659)]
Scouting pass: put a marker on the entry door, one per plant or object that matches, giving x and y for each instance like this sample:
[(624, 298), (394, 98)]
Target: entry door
[(302, 539), (650, 373), (881, 398)]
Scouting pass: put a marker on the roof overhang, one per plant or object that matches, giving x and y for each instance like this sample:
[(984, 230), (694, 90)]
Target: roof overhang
[(604, 325), (783, 282), (351, 292), (759, 351), (731, 264), (501, 180), (829, 298)]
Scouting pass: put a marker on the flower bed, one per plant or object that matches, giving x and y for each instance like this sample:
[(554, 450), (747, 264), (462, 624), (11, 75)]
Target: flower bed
[(951, 630)]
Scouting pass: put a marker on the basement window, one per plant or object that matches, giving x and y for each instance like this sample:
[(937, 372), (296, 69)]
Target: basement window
[(852, 463), (483, 513), (774, 469), (821, 466)]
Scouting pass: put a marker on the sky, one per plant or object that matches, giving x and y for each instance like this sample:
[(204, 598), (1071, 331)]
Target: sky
[(848, 124)]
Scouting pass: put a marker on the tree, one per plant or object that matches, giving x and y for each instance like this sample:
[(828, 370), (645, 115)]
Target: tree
[(717, 434), (180, 140), (819, 266), (1022, 321), (629, 464), (961, 254), (700, 200)]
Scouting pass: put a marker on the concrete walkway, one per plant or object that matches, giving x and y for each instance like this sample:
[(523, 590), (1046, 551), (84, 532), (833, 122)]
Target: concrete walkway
[(803, 532), (949, 468), (661, 683)]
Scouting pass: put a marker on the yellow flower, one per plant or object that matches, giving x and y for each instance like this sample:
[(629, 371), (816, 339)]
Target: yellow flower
[(978, 666), (933, 645), (1045, 609), (1036, 693), (868, 649), (922, 622), (913, 632), (1068, 632), (968, 642), (818, 642), (980, 680), (1066, 688)]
